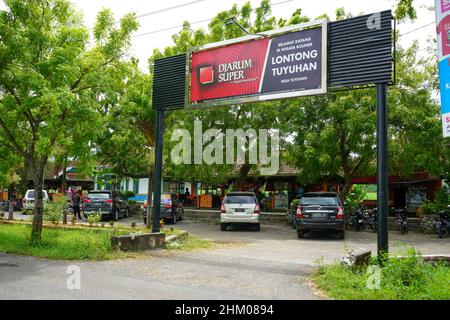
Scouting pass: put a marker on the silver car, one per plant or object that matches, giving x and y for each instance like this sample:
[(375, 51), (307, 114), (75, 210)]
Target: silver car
[(240, 208)]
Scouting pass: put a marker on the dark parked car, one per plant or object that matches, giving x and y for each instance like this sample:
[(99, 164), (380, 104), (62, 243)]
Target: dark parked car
[(171, 208), (111, 203), (320, 211)]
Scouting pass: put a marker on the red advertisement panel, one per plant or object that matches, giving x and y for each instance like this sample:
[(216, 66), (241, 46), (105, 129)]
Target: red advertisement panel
[(228, 71), (262, 69)]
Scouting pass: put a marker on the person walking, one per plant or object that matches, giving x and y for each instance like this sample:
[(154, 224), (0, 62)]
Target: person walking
[(76, 199)]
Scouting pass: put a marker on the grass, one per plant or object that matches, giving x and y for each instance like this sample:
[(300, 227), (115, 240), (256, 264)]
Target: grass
[(189, 243), (61, 244), (408, 278)]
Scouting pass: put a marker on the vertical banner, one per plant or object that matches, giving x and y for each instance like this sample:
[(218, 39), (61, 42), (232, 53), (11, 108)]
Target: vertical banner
[(443, 41)]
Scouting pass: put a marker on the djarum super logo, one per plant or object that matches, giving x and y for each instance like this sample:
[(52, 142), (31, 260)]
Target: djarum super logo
[(206, 75)]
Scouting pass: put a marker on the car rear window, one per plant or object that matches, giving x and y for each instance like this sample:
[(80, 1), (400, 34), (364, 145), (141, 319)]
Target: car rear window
[(166, 199), (240, 199), (99, 195), (30, 194), (322, 201)]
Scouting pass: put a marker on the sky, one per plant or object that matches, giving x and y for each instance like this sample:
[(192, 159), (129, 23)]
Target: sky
[(170, 14)]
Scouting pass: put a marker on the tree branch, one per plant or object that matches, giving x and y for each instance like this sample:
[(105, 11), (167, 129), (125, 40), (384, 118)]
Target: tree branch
[(12, 139)]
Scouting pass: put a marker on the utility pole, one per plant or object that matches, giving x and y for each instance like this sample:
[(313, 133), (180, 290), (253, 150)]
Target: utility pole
[(382, 172)]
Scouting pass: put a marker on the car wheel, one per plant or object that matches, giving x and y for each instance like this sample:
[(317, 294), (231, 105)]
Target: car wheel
[(179, 212), (223, 227), (301, 234), (182, 215), (174, 219), (257, 227)]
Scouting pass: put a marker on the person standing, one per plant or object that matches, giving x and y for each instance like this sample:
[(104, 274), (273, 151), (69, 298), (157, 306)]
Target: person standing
[(76, 199)]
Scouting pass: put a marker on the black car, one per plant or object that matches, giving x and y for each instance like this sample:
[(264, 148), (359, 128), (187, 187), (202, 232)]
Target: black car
[(320, 211), (112, 204), (171, 209)]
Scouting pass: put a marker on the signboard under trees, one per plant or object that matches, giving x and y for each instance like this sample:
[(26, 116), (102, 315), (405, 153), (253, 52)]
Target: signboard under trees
[(278, 64), (358, 52)]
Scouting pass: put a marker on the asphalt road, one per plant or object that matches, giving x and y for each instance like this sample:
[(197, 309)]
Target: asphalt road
[(271, 264)]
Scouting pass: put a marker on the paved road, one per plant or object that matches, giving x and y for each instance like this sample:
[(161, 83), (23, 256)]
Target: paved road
[(271, 264)]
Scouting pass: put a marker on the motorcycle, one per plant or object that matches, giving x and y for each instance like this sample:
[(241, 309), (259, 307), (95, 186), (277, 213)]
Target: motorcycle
[(358, 218), (17, 205), (401, 219), (443, 224), (373, 219)]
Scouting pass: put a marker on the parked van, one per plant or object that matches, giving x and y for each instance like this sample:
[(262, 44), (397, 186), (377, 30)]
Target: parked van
[(28, 199)]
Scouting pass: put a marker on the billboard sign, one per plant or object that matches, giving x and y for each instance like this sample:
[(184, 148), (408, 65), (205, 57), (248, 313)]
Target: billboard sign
[(284, 63), (443, 41)]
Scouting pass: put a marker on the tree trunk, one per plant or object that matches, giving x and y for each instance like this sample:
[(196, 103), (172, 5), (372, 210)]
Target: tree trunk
[(11, 202), (149, 200), (347, 188), (38, 183), (243, 174), (64, 187)]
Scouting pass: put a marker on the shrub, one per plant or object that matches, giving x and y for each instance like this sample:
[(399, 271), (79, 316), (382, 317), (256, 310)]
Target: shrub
[(404, 278), (53, 211), (441, 203), (129, 194), (94, 218)]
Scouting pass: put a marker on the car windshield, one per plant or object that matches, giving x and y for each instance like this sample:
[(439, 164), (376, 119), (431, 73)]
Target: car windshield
[(248, 199), (100, 196), (319, 201)]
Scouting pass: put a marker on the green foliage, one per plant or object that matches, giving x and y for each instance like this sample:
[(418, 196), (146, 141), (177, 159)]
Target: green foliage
[(441, 203), (405, 10), (356, 196), (406, 278), (295, 203), (53, 211), (94, 218), (54, 83), (129, 194)]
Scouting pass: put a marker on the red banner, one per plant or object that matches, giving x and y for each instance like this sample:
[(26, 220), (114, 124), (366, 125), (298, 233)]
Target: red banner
[(228, 71)]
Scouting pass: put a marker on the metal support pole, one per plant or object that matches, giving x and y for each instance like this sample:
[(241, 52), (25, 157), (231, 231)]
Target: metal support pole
[(158, 170), (382, 172)]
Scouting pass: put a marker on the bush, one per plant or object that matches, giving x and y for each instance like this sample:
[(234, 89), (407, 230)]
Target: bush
[(441, 203), (402, 278), (295, 203), (53, 211), (94, 218), (129, 194)]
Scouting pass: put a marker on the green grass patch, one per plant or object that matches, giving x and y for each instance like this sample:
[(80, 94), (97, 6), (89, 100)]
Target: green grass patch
[(189, 243), (407, 278), (61, 243)]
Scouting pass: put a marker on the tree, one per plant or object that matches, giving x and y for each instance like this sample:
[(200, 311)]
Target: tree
[(51, 81), (336, 134), (405, 10), (127, 141)]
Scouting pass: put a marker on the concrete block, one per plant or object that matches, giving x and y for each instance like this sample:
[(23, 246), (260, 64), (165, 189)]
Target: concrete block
[(138, 242)]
